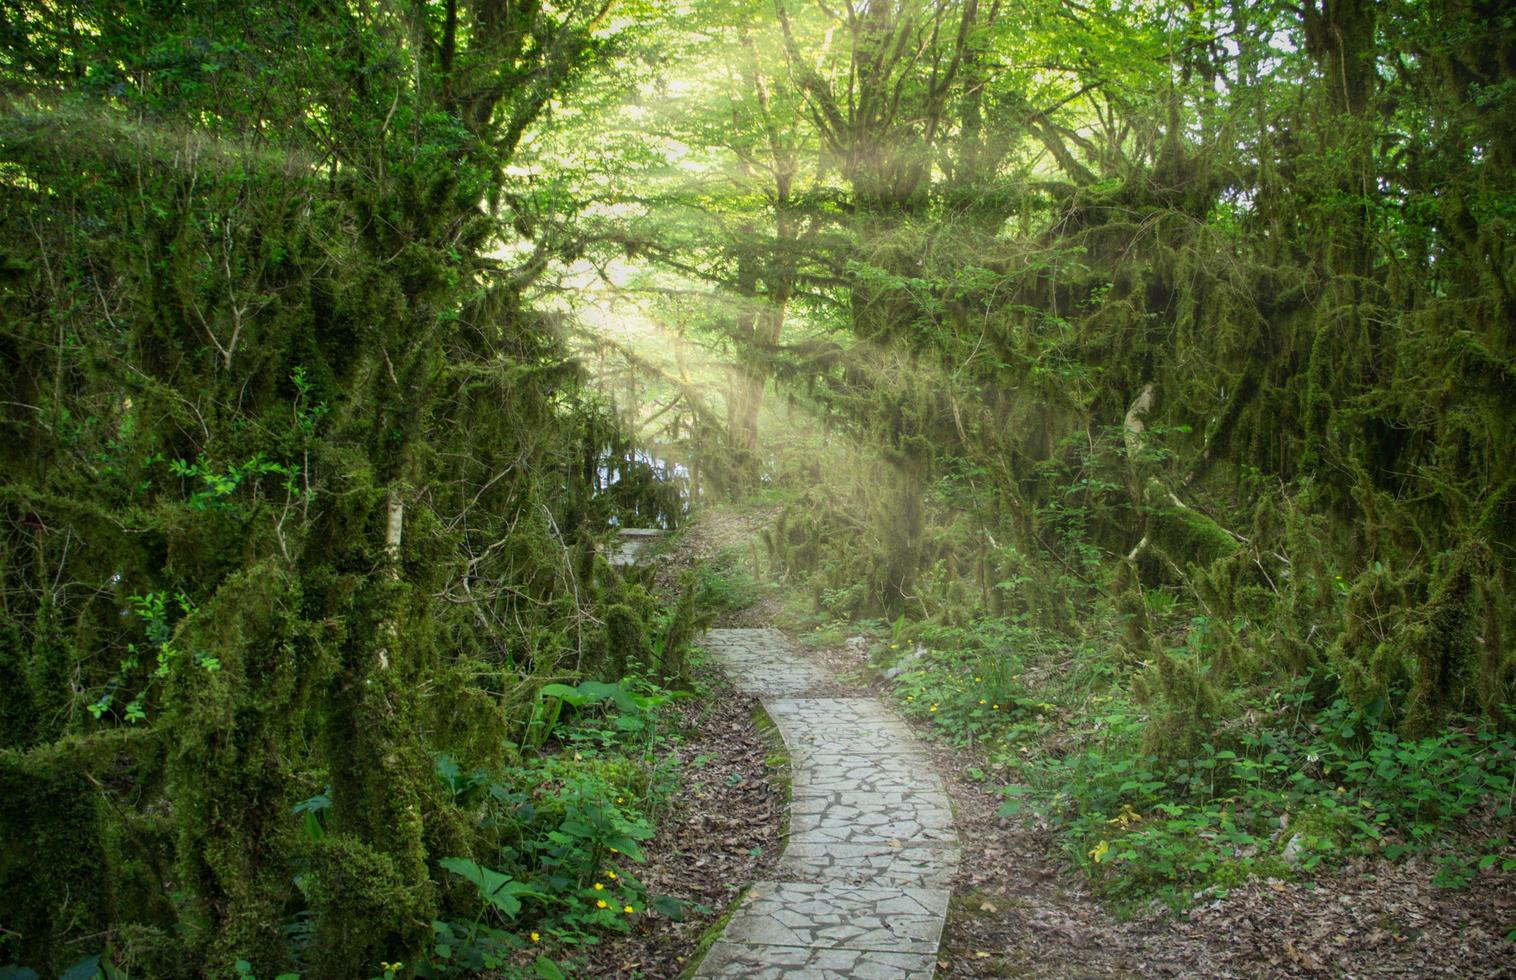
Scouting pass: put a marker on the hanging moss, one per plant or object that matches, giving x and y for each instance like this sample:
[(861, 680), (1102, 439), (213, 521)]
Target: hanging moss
[(381, 776), (1442, 644), (1186, 708), (1135, 627), (626, 639), (1182, 533), (684, 625), (17, 717), (367, 910), (1368, 654), (53, 869), (229, 776), (1496, 677)]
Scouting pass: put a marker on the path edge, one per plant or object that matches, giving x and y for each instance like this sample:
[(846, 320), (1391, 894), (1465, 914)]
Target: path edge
[(776, 761)]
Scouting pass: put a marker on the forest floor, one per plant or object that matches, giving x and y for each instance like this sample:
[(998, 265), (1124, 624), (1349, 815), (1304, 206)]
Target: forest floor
[(721, 832), (1018, 909), (724, 829)]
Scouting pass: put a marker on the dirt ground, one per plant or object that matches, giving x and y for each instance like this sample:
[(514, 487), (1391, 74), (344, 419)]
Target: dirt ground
[(719, 835)]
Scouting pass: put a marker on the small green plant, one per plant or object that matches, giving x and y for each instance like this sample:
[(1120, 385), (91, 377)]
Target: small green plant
[(497, 890), (568, 827), (245, 972), (214, 489), (158, 612), (725, 586), (630, 707), (310, 810), (307, 416), (967, 680)]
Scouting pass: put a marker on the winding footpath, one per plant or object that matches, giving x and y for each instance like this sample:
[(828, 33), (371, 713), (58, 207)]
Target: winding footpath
[(862, 888)]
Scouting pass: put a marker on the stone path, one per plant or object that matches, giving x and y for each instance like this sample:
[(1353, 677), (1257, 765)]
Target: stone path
[(633, 546), (861, 890)]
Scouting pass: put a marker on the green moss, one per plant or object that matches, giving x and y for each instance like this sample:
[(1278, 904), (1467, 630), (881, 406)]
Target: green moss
[(382, 782), (777, 761), (626, 639), (367, 909), (1186, 706), (1183, 534), (17, 717), (1136, 628), (53, 870), (229, 775), (684, 625), (1442, 645), (148, 951)]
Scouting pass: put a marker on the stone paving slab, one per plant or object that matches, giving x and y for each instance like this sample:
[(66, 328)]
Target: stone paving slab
[(634, 546), (837, 914), (762, 662), (862, 888), (864, 726), (827, 770), (867, 809), (909, 798), (852, 825), (892, 863), (733, 960), (825, 711)]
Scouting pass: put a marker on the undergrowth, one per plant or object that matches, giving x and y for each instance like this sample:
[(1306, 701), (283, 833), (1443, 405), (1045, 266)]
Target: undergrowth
[(565, 829), (1287, 788), (561, 832)]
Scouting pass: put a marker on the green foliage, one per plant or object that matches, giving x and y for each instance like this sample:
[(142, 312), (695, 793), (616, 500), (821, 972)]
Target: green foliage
[(1197, 786), (50, 812), (560, 834), (968, 683), (293, 474), (725, 586), (301, 491), (1283, 800), (495, 889), (1203, 391), (362, 903)]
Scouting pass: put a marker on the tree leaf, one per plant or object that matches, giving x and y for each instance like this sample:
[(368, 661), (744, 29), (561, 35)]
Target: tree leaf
[(498, 889), (548, 970)]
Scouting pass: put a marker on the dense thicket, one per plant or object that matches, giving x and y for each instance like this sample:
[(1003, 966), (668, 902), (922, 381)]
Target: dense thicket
[(1214, 299), (296, 492)]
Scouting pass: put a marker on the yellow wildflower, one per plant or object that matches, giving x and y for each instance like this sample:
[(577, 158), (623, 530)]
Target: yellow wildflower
[(627, 909), (600, 903), (599, 887), (536, 937), (611, 875)]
